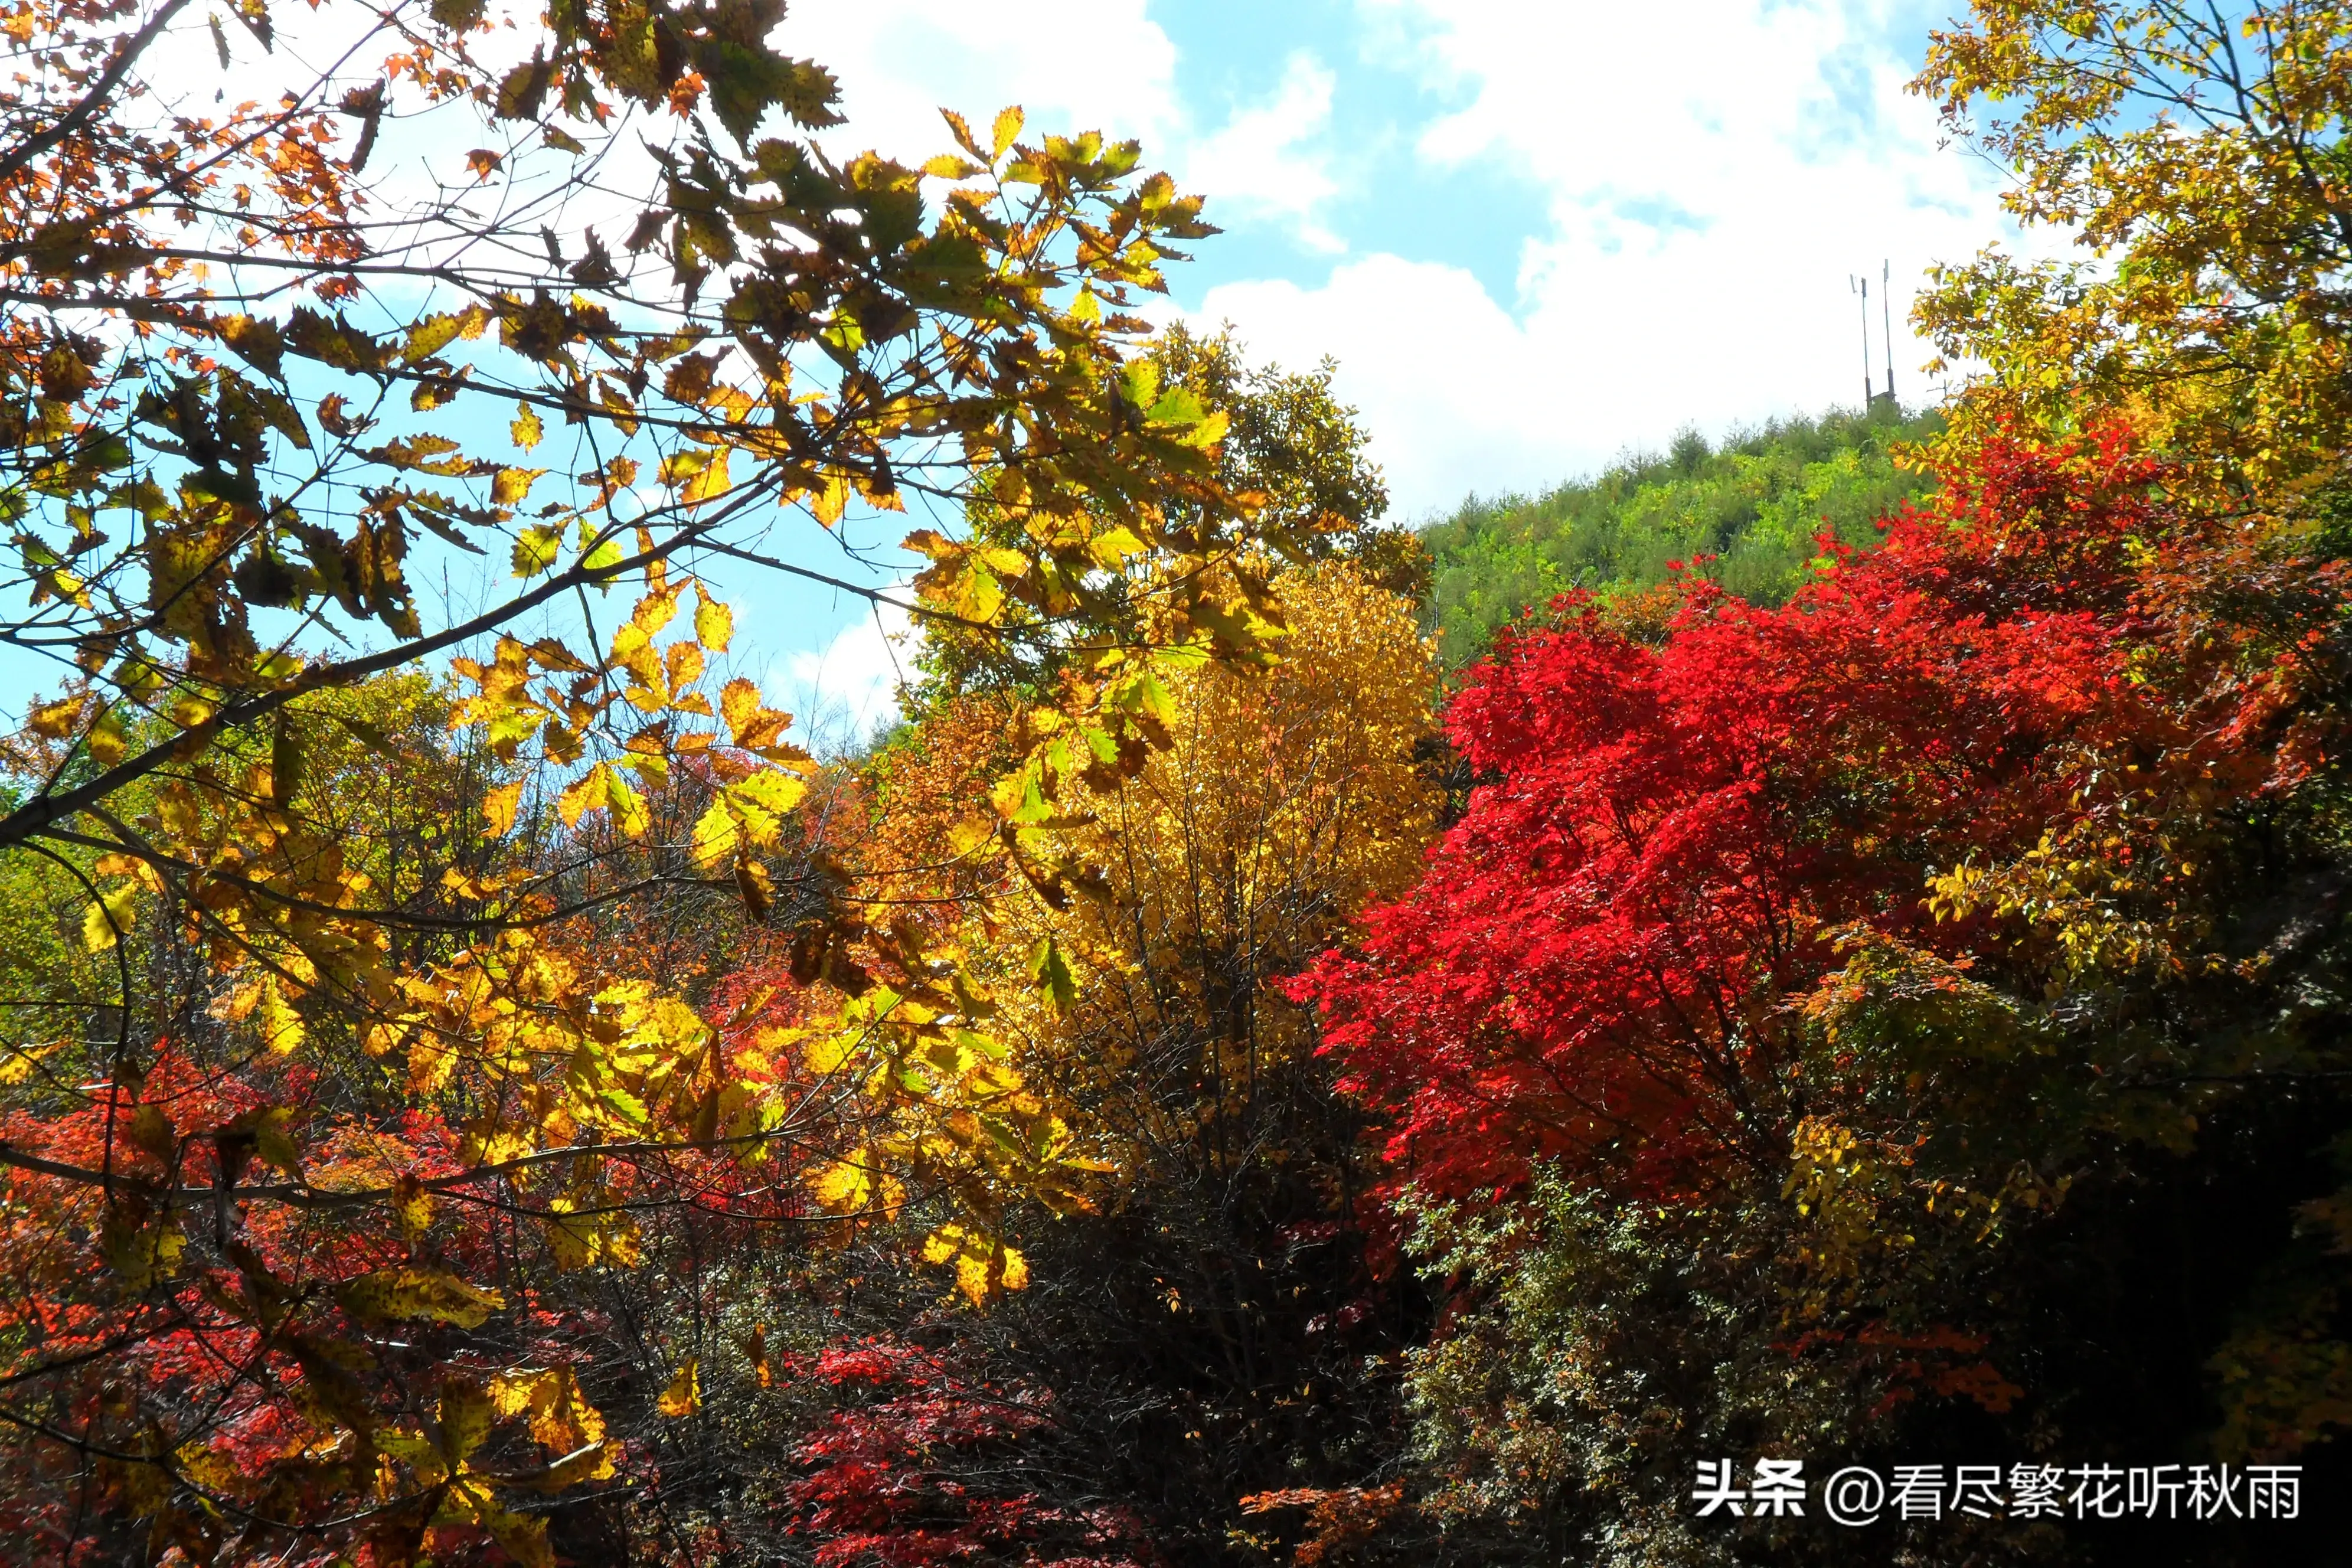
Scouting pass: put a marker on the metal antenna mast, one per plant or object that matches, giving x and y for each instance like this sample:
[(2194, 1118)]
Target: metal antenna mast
[(1886, 316), (1869, 388)]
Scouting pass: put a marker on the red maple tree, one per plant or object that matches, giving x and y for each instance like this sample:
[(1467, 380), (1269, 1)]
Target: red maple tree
[(1681, 817)]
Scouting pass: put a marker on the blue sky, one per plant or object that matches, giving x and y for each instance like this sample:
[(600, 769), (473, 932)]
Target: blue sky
[(1533, 235)]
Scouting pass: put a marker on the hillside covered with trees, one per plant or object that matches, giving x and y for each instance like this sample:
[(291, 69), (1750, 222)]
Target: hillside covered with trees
[(1747, 515), (1833, 1054)]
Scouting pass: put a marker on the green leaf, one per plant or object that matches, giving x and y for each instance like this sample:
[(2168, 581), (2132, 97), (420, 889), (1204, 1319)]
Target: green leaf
[(604, 557), (1049, 972)]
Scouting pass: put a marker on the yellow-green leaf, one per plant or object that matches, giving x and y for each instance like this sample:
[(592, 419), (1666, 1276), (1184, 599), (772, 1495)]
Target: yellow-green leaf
[(394, 1294), (535, 549), (1050, 972), (714, 623), (709, 481), (714, 838), (627, 807), (775, 791)]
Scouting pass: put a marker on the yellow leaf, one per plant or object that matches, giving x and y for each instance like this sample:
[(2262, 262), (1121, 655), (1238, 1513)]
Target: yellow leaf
[(430, 1064), (586, 791), (513, 485), (714, 838), (281, 1026), (984, 1266), (684, 1395), (412, 1206), (521, 1536), (709, 482), (106, 740), (652, 613), (1113, 546), (843, 1187), (753, 724), (1008, 126), (830, 500), (828, 1054), (105, 921), (943, 1244), (714, 623), (430, 336), (499, 809), (739, 703), (562, 1419), (774, 794), (55, 720), (754, 823), (754, 886), (536, 548), (20, 1061), (526, 428), (627, 807), (392, 1294), (466, 1414)]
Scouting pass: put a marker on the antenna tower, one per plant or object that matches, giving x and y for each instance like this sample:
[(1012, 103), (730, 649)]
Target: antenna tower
[(1869, 387), (1886, 318)]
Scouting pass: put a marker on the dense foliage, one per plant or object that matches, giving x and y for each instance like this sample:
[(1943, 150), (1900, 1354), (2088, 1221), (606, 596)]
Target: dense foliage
[(1310, 1043), (1746, 513), (335, 1090), (1822, 990)]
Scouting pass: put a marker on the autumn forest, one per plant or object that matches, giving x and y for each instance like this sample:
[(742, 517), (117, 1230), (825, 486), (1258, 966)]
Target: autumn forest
[(1531, 1039)]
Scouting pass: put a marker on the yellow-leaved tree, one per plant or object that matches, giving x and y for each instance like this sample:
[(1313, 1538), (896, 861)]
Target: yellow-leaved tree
[(301, 1104), (1282, 803), (2199, 156)]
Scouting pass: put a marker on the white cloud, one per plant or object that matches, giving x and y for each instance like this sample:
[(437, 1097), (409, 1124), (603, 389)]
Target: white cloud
[(1708, 178), (1262, 163), (900, 61), (1425, 355), (842, 693)]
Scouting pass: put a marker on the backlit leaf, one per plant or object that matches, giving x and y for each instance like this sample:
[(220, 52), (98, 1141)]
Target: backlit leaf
[(433, 1294), (684, 1395)]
